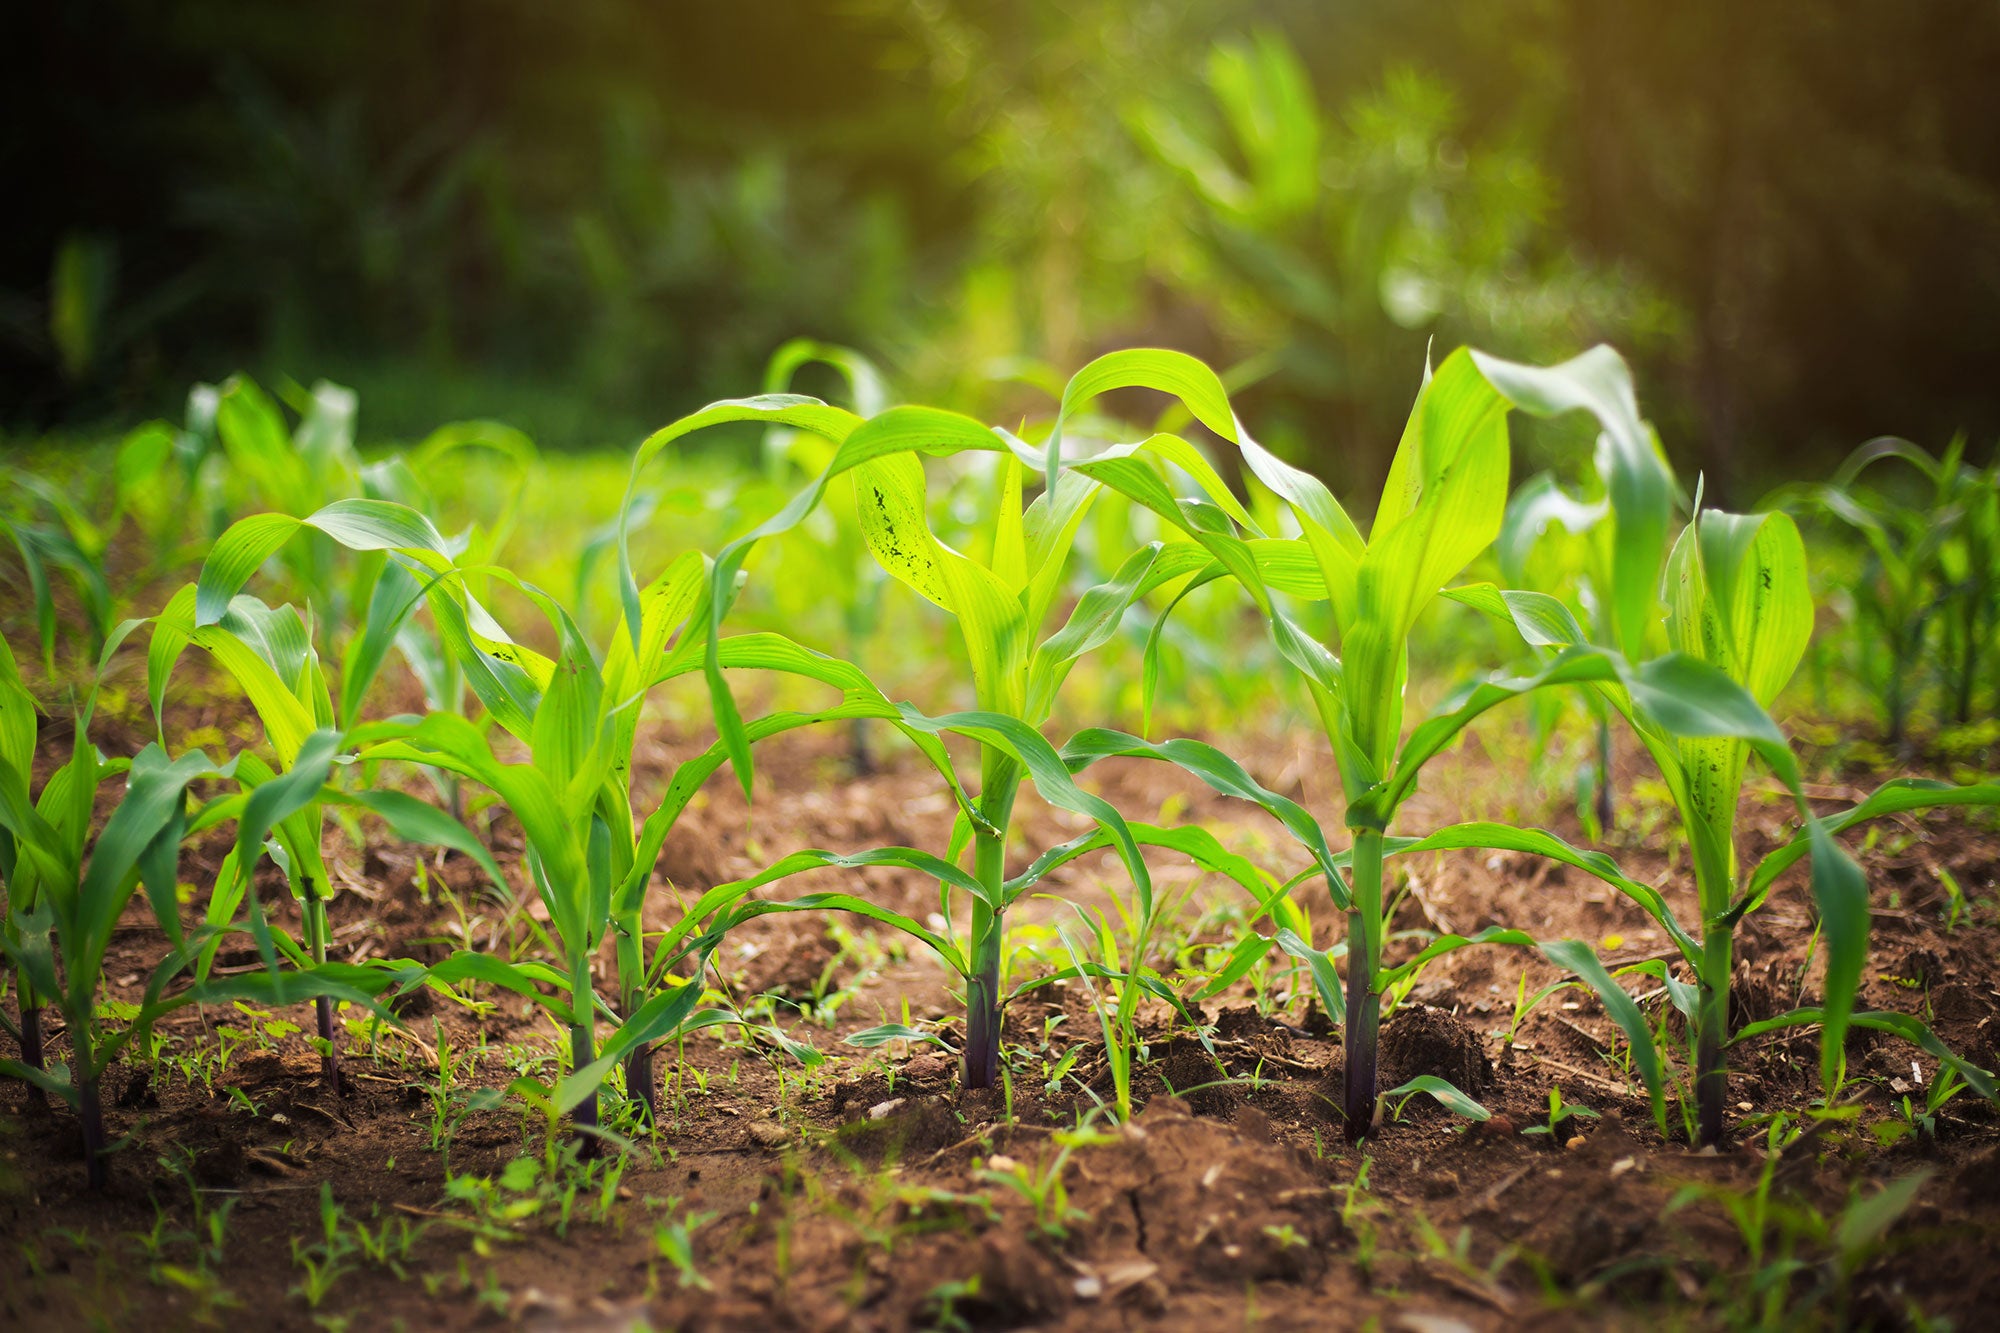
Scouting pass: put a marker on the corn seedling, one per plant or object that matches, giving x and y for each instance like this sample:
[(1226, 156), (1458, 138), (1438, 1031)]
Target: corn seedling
[(1738, 614), (1441, 506), (66, 893), (269, 653), (50, 533), (1001, 603), (1928, 599), (591, 862), (1560, 1112), (1611, 549)]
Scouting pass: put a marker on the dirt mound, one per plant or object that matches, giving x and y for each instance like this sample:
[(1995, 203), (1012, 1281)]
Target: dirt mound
[(1193, 1076), (1419, 1039), (1241, 1022)]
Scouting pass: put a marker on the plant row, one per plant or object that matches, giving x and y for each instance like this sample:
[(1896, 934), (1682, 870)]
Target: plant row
[(1676, 625)]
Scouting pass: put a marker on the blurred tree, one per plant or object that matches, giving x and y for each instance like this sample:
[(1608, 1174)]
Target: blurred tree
[(602, 211), (1345, 245), (626, 204), (1817, 182)]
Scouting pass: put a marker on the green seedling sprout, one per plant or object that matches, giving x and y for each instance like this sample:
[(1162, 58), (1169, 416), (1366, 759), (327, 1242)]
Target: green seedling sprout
[(1738, 613), (1002, 601), (1929, 592), (66, 892)]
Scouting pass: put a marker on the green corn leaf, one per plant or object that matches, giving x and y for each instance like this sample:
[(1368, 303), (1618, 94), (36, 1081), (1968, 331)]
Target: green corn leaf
[(1906, 1026), (1222, 774), (1015, 739), (1541, 619), (1326, 981), (298, 786), (1176, 373), (1194, 842), (1575, 665), (1446, 1094), (865, 381), (294, 985), (1485, 836), (1738, 601), (1684, 995), (1135, 478), (1865, 1221), (1840, 893), (249, 661), (870, 1038), (947, 952), (172, 630), (1010, 539), (1049, 528), (778, 409), (1244, 955), (1441, 506), (899, 430), (1744, 605), (252, 433), (392, 597), (1638, 484), (1893, 797), (418, 821), (661, 1015), (446, 741), (153, 802), (889, 498), (502, 676), (360, 525), (44, 1079), (903, 858), (1535, 505), (18, 725), (569, 723), (1578, 957), (1091, 624)]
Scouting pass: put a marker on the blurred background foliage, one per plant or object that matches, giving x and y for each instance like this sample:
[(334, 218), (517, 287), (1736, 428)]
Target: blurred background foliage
[(586, 218)]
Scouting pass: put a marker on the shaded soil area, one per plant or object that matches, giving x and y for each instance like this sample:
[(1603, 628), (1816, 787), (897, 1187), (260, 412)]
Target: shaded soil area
[(867, 1191)]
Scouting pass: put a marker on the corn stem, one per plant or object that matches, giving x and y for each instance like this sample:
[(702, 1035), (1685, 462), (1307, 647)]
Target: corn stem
[(1001, 780), (1364, 1003), (1712, 1033), (31, 1037), (632, 973), (313, 912), (583, 1051), (90, 1116)]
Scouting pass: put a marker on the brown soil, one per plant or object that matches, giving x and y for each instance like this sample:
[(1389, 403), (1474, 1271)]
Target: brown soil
[(870, 1193)]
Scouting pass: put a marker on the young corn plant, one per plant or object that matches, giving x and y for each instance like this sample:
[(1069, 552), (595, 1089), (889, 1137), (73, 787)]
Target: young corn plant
[(269, 653), (1442, 504), (832, 537), (1738, 614), (1002, 602), (66, 892), (50, 532), (393, 591), (591, 860), (1610, 547), (1928, 600)]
